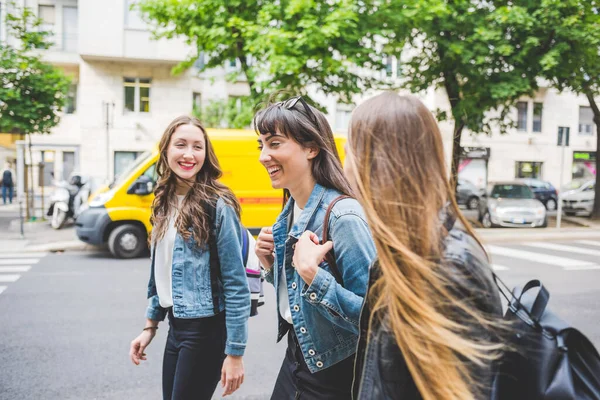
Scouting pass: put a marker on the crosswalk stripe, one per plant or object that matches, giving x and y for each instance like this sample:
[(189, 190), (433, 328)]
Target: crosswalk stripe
[(537, 257), (562, 247), (2, 289), (16, 268), (22, 255), (589, 242), (9, 278), (583, 268), (22, 261), (497, 267)]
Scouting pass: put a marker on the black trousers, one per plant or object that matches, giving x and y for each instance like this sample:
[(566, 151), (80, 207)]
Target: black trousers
[(193, 357), (295, 381)]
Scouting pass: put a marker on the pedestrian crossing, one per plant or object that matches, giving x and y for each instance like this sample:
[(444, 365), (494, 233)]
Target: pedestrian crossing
[(13, 265), (578, 255)]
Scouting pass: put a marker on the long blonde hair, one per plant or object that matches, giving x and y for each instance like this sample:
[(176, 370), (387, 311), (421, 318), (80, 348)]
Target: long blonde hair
[(203, 193), (397, 159)]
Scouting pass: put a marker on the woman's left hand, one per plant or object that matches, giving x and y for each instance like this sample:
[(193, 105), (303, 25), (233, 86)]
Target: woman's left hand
[(232, 374), (309, 254)]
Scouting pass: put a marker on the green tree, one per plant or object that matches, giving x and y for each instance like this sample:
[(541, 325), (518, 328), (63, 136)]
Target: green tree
[(32, 92), (286, 45), (573, 62), (467, 48)]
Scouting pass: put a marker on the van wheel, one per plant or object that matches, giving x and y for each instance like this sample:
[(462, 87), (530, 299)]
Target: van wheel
[(127, 241)]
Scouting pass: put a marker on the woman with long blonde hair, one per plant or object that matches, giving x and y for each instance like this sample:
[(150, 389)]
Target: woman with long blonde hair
[(428, 326)]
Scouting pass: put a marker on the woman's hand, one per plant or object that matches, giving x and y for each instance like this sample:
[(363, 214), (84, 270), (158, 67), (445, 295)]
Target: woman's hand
[(264, 247), (139, 344), (309, 254), (232, 374)]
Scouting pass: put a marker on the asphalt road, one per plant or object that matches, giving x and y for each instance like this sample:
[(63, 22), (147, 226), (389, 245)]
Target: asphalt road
[(67, 320)]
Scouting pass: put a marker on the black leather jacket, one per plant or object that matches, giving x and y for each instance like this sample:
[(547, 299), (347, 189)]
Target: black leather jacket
[(380, 370)]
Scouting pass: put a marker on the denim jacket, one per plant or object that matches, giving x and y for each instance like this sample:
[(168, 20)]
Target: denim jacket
[(192, 294), (325, 314)]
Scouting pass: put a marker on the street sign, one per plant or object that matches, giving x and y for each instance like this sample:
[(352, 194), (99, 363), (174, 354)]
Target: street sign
[(563, 135)]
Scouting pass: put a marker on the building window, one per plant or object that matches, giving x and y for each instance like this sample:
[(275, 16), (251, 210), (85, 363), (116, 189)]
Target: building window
[(137, 94), (522, 116), (133, 17), (71, 100), (586, 121), (70, 28), (537, 116), (528, 169), (196, 102), (342, 117), (200, 61), (48, 16), (123, 159)]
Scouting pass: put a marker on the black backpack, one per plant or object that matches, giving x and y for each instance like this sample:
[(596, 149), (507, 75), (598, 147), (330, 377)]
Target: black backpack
[(549, 358), (7, 178)]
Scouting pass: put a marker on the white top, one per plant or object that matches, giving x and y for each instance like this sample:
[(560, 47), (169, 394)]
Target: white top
[(163, 261), (284, 302)]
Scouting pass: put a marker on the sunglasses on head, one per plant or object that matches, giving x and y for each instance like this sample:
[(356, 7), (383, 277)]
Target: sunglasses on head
[(291, 102)]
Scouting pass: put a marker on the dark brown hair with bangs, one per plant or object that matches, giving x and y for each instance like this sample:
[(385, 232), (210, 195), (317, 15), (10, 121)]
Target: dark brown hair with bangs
[(308, 130)]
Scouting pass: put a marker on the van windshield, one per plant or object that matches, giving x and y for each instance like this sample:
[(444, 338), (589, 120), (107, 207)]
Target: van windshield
[(119, 179)]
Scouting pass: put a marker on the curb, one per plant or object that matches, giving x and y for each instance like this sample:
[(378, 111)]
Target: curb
[(73, 245)]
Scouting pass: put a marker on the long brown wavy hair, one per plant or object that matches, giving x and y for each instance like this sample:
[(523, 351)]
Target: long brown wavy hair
[(192, 218), (397, 158), (307, 129)]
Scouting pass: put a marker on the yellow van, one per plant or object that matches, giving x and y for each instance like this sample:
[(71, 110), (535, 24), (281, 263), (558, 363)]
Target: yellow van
[(119, 214)]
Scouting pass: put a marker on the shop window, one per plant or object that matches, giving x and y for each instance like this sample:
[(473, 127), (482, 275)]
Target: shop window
[(528, 169), (123, 159)]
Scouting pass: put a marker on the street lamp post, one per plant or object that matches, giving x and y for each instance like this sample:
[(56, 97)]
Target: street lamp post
[(108, 124), (563, 141)]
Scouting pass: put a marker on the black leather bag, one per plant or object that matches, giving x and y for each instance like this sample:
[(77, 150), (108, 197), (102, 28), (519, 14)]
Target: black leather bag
[(550, 359)]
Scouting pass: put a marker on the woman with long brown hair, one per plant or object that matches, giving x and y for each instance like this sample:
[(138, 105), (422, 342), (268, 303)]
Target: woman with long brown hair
[(318, 302), (429, 324), (197, 274)]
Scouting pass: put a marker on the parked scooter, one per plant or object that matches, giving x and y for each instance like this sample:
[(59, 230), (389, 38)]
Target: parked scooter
[(68, 199)]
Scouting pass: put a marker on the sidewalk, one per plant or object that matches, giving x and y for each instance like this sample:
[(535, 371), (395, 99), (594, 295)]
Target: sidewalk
[(38, 236)]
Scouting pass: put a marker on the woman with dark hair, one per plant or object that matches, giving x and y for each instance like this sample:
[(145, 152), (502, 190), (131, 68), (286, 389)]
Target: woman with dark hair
[(432, 316), (318, 301), (195, 221)]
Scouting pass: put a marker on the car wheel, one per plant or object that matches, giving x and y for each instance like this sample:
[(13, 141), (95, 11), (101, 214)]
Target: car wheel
[(486, 220), (545, 223), (127, 241), (473, 203), (551, 205)]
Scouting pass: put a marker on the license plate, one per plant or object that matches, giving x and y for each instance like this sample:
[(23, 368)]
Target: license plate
[(518, 221)]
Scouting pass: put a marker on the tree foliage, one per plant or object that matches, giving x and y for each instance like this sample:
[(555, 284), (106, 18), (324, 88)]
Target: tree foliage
[(287, 45), (32, 92)]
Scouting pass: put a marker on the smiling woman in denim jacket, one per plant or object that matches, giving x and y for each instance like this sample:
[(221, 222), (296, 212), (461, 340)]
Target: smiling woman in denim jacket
[(207, 334), (319, 314)]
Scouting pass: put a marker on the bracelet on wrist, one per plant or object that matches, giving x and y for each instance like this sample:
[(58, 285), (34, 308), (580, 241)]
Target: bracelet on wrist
[(148, 328)]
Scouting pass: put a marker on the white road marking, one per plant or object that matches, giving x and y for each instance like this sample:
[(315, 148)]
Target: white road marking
[(22, 261), (9, 278), (22, 255), (497, 267), (20, 268), (562, 247), (538, 257), (2, 289), (589, 242)]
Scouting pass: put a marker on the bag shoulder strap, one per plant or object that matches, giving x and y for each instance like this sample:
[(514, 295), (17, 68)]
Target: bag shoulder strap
[(215, 265), (245, 245), (330, 256)]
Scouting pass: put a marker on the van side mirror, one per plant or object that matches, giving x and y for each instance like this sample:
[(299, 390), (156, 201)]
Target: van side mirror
[(142, 186)]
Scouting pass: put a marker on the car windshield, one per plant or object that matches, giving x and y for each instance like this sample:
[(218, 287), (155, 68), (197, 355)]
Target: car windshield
[(574, 184), (511, 192), (134, 165)]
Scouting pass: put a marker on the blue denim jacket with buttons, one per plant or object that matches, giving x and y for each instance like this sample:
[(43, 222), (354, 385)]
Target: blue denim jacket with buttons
[(325, 314), (191, 287)]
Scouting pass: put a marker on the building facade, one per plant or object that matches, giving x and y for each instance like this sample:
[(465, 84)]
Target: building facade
[(123, 96)]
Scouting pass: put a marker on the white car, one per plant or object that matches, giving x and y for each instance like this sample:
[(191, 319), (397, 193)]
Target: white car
[(578, 197), (511, 205)]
